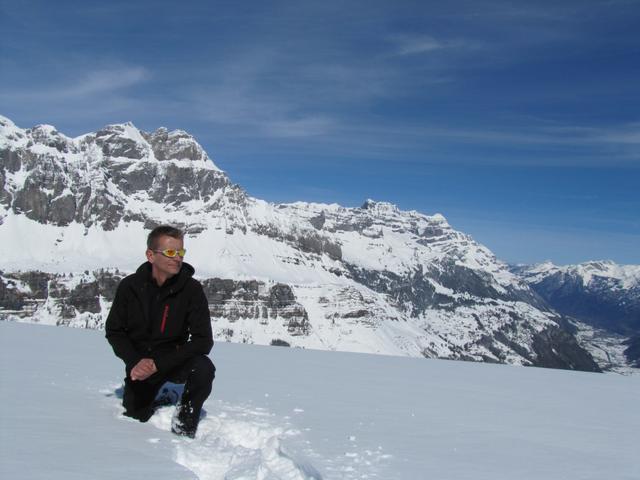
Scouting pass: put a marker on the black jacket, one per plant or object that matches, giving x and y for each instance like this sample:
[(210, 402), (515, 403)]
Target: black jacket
[(170, 324)]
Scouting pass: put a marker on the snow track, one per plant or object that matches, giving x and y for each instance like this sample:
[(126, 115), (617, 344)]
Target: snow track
[(238, 443)]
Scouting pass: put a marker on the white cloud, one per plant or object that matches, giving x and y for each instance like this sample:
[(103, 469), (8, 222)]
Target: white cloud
[(303, 127), (424, 44), (627, 134), (82, 85), (258, 113), (622, 134), (107, 80), (410, 45)]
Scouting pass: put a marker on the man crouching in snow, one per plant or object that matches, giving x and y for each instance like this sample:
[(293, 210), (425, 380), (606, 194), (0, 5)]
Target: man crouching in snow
[(159, 325)]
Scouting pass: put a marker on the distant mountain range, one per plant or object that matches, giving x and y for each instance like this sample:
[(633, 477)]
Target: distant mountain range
[(603, 295), (74, 213)]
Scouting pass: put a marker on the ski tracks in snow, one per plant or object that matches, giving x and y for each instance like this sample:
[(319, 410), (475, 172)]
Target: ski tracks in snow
[(238, 443)]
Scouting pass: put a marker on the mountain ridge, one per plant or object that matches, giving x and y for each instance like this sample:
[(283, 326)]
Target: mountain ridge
[(373, 278)]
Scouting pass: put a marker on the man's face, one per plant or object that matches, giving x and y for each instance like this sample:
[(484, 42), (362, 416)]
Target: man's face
[(161, 266)]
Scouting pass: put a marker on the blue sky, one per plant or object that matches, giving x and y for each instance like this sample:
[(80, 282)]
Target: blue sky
[(518, 121)]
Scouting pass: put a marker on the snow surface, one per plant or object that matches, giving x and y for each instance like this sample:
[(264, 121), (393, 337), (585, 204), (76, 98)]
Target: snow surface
[(279, 413)]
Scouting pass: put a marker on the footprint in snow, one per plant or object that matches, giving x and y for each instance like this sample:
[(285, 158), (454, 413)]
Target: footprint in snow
[(239, 443)]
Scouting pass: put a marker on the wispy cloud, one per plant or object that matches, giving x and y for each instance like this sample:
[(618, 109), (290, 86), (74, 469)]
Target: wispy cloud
[(622, 134), (424, 44), (270, 94), (626, 134), (304, 127), (80, 99), (104, 81), (366, 87), (84, 84), (410, 45), (253, 113), (522, 145)]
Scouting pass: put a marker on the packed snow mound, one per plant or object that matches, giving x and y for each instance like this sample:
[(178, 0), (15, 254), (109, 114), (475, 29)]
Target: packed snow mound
[(246, 442)]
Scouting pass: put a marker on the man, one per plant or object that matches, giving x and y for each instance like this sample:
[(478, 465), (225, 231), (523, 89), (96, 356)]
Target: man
[(159, 325)]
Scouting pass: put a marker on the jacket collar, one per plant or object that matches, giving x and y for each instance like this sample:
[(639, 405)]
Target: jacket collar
[(177, 282)]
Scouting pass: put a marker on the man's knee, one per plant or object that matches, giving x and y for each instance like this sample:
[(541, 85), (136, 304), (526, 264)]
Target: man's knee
[(203, 368), (137, 400), (199, 369)]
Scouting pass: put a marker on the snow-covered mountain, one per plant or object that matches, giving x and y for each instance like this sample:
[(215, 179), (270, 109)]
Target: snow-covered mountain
[(74, 213), (602, 294)]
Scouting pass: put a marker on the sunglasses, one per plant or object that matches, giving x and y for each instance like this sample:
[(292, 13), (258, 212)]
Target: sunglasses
[(171, 253)]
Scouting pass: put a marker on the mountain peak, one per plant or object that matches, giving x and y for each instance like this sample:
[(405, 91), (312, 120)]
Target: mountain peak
[(125, 130), (177, 145), (125, 140), (545, 266), (6, 122), (121, 126), (381, 207), (599, 264), (10, 134), (45, 128)]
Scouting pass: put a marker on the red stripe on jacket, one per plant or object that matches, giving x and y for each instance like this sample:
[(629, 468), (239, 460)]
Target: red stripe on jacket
[(164, 318)]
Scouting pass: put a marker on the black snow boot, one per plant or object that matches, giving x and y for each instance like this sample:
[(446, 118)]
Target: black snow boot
[(185, 421)]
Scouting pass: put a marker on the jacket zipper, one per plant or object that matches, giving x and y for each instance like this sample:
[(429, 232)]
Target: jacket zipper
[(164, 318)]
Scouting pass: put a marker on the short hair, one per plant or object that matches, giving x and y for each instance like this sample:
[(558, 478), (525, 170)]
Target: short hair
[(160, 231)]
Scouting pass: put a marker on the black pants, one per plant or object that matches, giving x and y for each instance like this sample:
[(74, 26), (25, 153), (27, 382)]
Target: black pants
[(197, 374)]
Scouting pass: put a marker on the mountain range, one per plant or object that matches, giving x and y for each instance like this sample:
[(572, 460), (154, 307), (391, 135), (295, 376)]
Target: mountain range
[(74, 214), (602, 295)]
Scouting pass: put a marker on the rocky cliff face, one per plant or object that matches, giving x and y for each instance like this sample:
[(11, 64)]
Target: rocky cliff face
[(83, 300), (107, 177), (373, 278)]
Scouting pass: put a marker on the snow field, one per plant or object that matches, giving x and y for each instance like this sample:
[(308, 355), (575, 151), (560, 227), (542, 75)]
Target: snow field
[(279, 413)]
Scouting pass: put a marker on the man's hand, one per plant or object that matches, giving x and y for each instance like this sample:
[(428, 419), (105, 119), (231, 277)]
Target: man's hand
[(143, 369)]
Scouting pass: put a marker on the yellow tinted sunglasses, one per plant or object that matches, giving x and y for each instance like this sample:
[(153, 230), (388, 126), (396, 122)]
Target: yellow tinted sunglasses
[(171, 253)]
